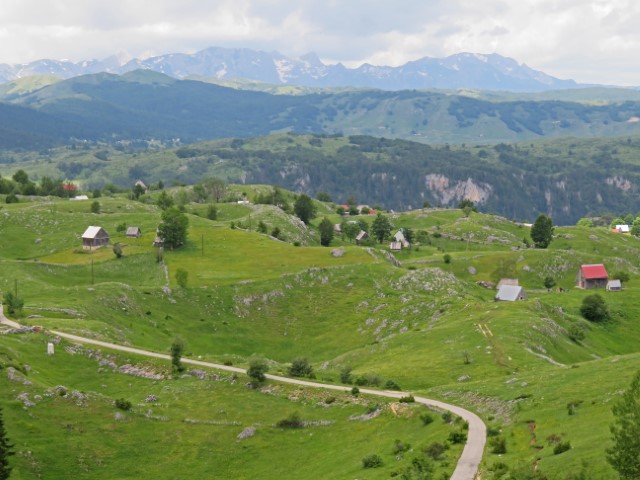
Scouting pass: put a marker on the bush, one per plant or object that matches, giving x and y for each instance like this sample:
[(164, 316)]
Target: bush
[(355, 391), (498, 445), (400, 447), (576, 332), (345, 375), (123, 404), (594, 308), (11, 198), (292, 421), (300, 367), (372, 461), (426, 418), (549, 282), (391, 385), (435, 451), (212, 212), (257, 370), (622, 276), (457, 437), (446, 257), (447, 417), (561, 448), (407, 399)]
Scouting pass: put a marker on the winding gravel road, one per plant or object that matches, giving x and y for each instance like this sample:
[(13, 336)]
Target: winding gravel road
[(468, 463)]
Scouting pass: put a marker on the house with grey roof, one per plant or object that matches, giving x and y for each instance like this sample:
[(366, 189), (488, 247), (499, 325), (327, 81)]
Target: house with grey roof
[(94, 237), (511, 293)]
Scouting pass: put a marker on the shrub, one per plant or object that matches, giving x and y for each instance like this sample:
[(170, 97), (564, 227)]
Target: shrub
[(549, 282), (594, 308), (446, 258), (391, 385), (447, 417), (435, 451), (400, 447), (345, 375), (561, 447), (622, 276), (123, 404), (426, 418), (355, 391), (122, 227), (372, 461), (262, 227), (576, 332), (292, 421), (300, 367), (95, 207), (407, 399), (498, 445), (212, 212), (329, 400), (11, 198), (257, 370), (457, 437)]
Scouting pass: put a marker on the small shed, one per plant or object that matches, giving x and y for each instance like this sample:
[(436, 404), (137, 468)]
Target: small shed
[(622, 229), (511, 293), (337, 227), (94, 237), (134, 232), (395, 246), (362, 236), (592, 276), (399, 237), (614, 285)]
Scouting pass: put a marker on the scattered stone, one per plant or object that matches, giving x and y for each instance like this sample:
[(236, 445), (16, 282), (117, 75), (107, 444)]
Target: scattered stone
[(35, 316), (246, 433), (24, 398), (524, 384), (143, 372), (366, 416), (37, 241), (337, 252), (464, 378), (526, 268), (472, 270), (511, 380), (15, 376), (151, 399), (486, 284), (119, 417)]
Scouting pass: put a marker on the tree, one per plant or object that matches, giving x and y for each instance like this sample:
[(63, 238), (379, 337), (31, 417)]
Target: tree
[(323, 197), (13, 302), (447, 258), (381, 227), (549, 282), (164, 201), (594, 308), (585, 222), (304, 208), (173, 228), (350, 230), (326, 232), (216, 188), (177, 348), (409, 235), (625, 433), (257, 370), (6, 450), (137, 190), (21, 177), (182, 277), (635, 227), (95, 207), (617, 221), (467, 203), (300, 367), (117, 250), (542, 231)]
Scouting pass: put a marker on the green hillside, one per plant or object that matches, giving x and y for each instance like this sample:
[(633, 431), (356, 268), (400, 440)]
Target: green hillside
[(428, 326), (565, 178)]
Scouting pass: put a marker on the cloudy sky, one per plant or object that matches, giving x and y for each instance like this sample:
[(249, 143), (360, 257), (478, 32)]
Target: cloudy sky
[(591, 41)]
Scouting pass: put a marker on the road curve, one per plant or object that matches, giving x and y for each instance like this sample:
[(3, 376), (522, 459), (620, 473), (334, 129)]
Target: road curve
[(468, 462)]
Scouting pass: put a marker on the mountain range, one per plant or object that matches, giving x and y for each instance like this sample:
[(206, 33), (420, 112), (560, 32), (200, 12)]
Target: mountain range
[(463, 70)]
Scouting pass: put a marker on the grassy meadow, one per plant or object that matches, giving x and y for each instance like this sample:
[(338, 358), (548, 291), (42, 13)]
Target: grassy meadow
[(429, 326)]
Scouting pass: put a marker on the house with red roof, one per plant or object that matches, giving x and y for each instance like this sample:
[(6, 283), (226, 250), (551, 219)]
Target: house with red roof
[(592, 276)]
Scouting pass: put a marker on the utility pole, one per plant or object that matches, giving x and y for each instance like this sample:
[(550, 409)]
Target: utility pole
[(15, 286), (203, 244), (92, 271)]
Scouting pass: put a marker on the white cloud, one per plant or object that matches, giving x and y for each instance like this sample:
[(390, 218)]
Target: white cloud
[(589, 40)]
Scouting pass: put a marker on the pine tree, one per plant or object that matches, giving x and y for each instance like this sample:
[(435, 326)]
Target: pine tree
[(625, 432), (5, 451)]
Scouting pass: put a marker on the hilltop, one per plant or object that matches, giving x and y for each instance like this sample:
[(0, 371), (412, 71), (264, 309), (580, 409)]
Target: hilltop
[(425, 323)]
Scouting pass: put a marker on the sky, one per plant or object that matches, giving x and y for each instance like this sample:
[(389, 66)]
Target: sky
[(590, 41)]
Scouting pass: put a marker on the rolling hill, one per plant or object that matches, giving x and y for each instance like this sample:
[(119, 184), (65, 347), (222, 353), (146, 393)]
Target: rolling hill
[(426, 323)]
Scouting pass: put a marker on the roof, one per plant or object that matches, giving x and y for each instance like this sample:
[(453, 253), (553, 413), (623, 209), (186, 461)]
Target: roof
[(614, 284), (399, 236), (362, 235), (507, 281), (133, 230), (509, 293), (591, 272), (622, 228), (91, 232)]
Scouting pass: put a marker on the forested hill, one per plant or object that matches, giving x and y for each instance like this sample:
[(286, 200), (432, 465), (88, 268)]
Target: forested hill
[(567, 179), (147, 105)]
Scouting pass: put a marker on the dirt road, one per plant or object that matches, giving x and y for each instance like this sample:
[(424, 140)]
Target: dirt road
[(476, 436)]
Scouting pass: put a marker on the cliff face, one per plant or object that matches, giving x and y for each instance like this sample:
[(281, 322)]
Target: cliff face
[(447, 191)]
